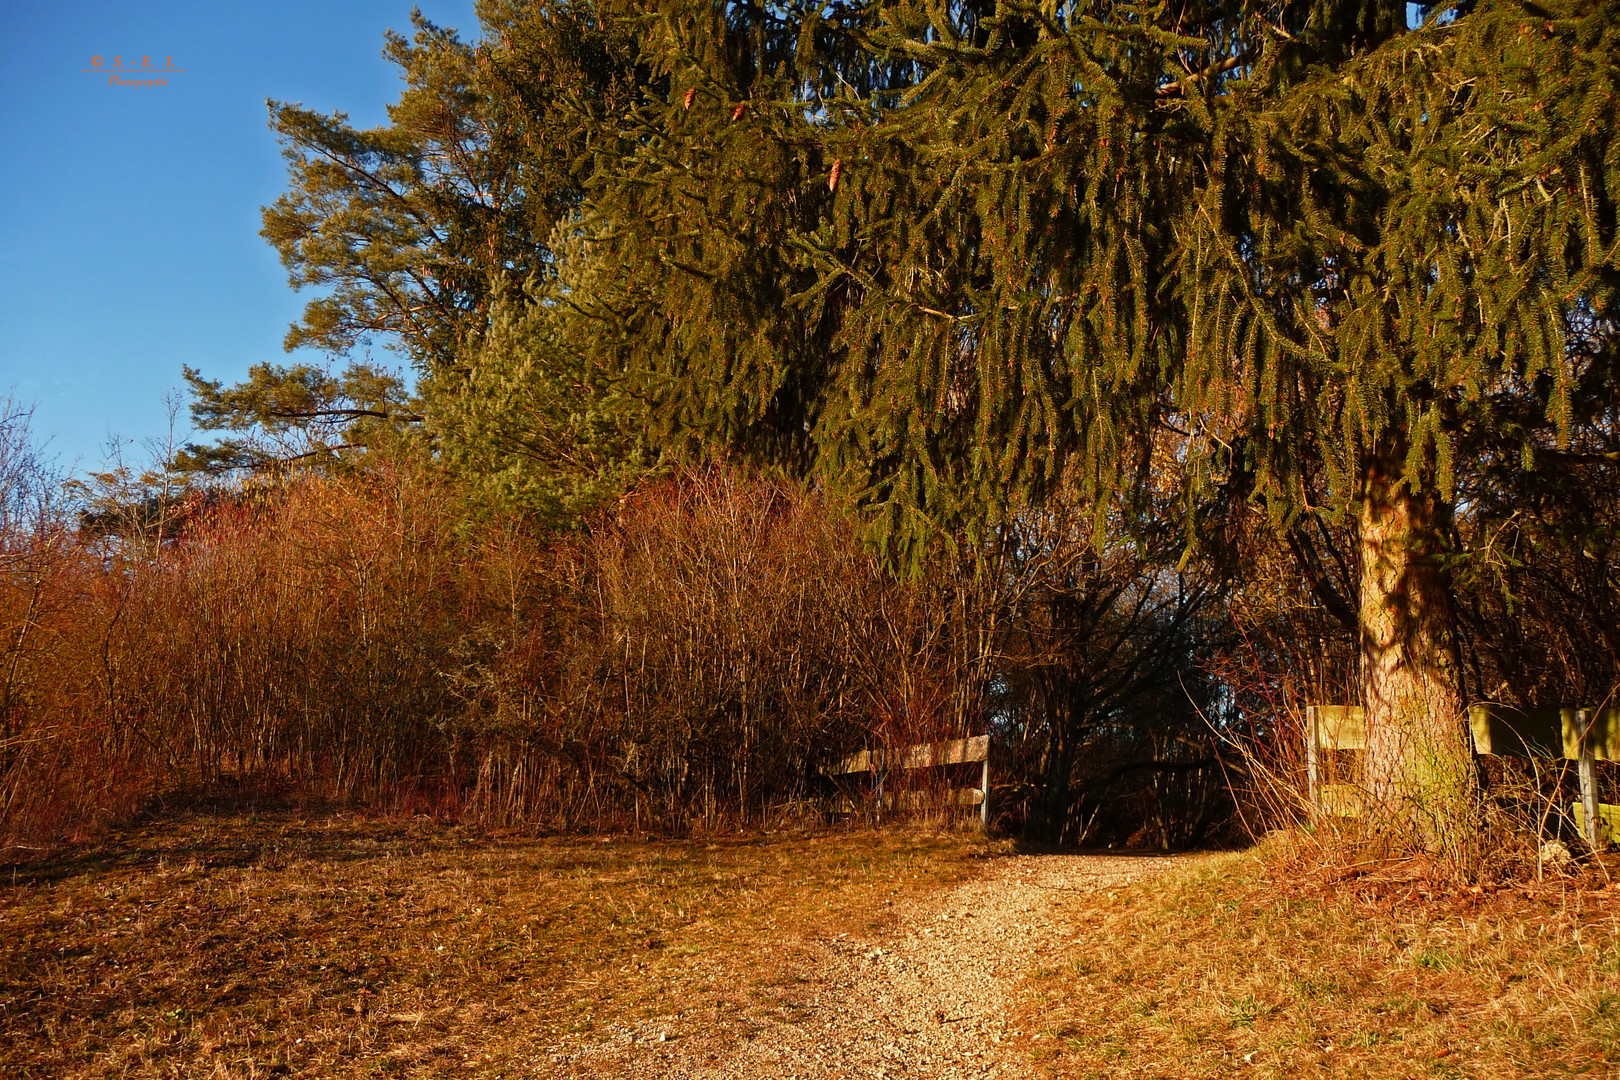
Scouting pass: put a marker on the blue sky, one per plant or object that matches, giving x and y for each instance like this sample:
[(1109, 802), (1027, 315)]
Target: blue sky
[(129, 217)]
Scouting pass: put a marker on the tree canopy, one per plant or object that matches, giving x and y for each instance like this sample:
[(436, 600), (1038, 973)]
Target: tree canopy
[(1065, 231)]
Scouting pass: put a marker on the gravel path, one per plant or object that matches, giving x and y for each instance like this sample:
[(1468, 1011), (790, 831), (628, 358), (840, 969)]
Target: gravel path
[(930, 998)]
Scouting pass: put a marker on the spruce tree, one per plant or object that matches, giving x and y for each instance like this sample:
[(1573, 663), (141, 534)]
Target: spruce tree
[(1294, 249), (1406, 249), (695, 234)]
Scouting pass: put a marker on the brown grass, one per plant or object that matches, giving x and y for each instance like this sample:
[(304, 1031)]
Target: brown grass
[(1218, 971), (254, 946)]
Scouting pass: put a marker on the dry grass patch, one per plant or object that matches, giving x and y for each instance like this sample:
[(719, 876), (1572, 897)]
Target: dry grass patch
[(1215, 970), (246, 947)]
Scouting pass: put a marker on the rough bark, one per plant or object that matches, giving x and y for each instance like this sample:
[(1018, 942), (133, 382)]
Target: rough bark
[(1419, 760)]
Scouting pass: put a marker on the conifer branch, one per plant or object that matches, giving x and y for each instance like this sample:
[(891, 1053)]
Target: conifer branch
[(1180, 86)]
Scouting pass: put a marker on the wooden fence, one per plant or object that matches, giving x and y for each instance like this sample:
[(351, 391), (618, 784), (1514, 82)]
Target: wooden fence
[(877, 764), (1584, 736)]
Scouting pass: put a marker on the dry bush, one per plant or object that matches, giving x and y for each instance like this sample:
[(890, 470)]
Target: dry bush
[(690, 661), (1099, 696), (291, 635), (712, 645), (38, 590)]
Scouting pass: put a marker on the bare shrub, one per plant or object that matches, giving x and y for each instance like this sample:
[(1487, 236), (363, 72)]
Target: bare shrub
[(1099, 694), (691, 661), (709, 648)]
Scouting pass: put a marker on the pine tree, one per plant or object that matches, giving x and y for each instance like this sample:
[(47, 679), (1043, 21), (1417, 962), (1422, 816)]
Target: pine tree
[(432, 235), (296, 414), (418, 229)]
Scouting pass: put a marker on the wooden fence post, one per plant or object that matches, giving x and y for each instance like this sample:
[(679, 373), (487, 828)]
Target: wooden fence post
[(1586, 768), (1312, 767), (877, 760), (984, 793)]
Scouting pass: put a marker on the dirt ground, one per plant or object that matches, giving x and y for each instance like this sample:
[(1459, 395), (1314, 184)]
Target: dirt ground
[(250, 946), (932, 995), (241, 947)]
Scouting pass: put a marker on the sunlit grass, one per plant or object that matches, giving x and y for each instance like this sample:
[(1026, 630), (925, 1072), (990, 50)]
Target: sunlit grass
[(242, 947), (1216, 970)]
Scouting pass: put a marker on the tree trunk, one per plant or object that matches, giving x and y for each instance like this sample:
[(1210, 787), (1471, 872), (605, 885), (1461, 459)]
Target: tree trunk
[(1059, 764), (1420, 775)]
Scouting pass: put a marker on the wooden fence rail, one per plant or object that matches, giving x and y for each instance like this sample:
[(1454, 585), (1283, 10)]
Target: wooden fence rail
[(1584, 736), (927, 756)]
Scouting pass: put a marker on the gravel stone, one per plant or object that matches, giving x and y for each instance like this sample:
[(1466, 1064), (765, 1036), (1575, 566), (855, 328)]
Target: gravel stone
[(930, 999)]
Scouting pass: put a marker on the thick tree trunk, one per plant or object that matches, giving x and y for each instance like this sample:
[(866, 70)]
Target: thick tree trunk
[(1420, 774)]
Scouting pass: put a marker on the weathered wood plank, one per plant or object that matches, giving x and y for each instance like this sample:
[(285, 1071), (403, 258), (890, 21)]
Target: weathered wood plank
[(1608, 819), (1497, 730), (1602, 731), (1504, 732), (855, 763), (1340, 727), (911, 800), (923, 756), (954, 752)]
